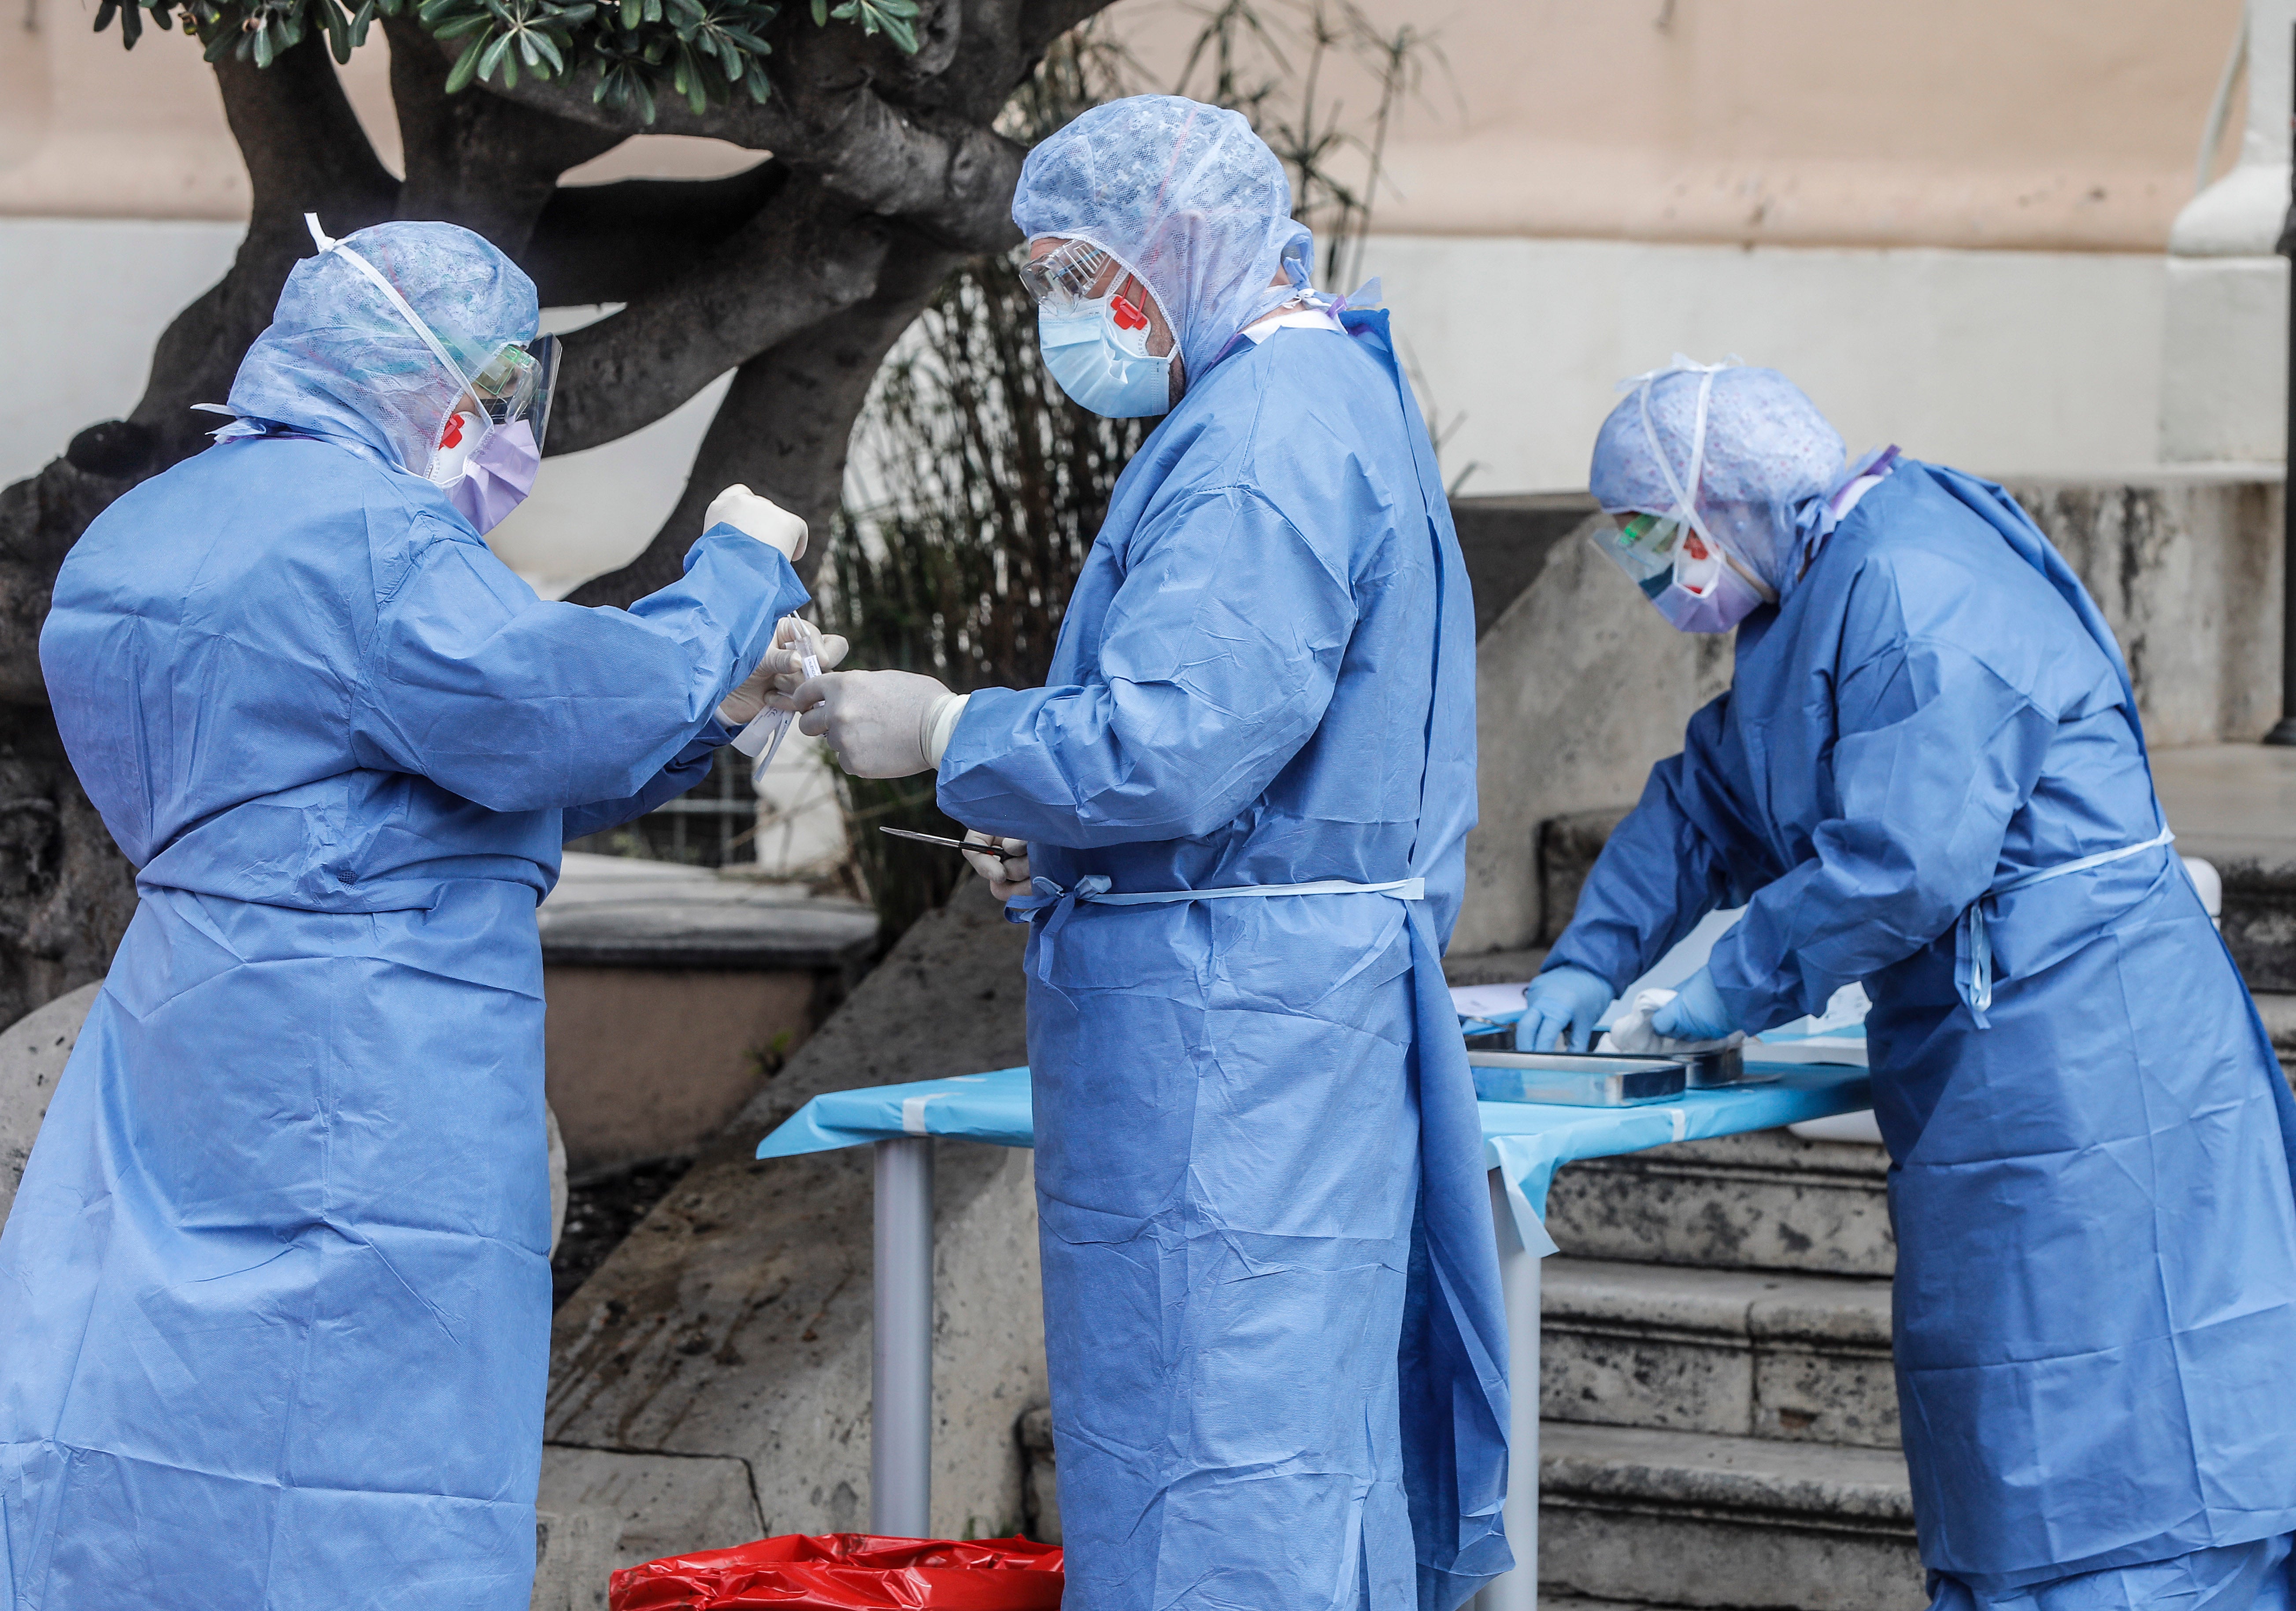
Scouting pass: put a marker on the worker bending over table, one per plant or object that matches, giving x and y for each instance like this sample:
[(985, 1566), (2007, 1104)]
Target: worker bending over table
[(1271, 1291), (1929, 776)]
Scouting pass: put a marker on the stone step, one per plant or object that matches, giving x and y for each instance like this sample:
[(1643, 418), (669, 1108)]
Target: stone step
[(1698, 1519), (1768, 1200), (1796, 1358)]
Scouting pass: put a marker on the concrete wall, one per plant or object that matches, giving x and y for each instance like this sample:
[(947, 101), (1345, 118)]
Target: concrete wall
[(1581, 686), (2023, 362)]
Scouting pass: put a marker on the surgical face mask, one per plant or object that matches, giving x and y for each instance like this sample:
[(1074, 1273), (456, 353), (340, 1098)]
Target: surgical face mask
[(1098, 353), (485, 469)]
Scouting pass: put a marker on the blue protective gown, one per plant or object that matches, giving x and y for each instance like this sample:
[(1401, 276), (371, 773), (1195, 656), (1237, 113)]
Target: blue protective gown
[(275, 1297), (2095, 1311), (1271, 1317)]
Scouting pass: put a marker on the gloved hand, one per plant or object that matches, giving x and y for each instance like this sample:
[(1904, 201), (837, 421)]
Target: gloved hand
[(1559, 1007), (1696, 1012), (760, 517), (775, 680), (880, 723), (1007, 875)]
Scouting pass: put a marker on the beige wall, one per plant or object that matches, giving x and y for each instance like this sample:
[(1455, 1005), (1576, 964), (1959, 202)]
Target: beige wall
[(90, 131), (2052, 124), (2042, 124)]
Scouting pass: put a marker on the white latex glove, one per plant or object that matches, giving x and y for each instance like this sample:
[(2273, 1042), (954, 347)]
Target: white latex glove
[(760, 517), (880, 723), (775, 680), (1638, 1031), (1007, 875)]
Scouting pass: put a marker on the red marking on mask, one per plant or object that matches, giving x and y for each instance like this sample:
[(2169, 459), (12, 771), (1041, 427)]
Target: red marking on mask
[(1693, 547), (1128, 317), (452, 437)]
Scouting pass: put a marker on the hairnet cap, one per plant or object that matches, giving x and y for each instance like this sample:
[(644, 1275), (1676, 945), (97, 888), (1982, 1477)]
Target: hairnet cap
[(340, 359), (1188, 197), (1767, 452)]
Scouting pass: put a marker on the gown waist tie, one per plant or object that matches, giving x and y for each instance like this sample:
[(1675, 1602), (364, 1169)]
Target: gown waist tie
[(1977, 989), (1043, 895)]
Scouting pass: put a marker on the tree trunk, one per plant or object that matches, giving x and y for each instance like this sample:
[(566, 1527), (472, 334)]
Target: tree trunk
[(66, 892)]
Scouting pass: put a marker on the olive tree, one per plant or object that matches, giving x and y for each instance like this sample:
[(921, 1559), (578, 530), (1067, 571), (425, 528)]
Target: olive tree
[(881, 165)]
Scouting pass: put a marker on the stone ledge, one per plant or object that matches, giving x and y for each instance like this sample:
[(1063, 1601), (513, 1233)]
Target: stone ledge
[(1627, 1514), (1720, 1477), (1795, 1358), (762, 934), (1765, 1201)]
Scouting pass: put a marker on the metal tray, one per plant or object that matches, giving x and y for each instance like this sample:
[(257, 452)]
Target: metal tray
[(1576, 1079)]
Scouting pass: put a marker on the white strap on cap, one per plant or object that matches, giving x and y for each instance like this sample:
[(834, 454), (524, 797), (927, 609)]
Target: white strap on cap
[(326, 243), (1684, 497)]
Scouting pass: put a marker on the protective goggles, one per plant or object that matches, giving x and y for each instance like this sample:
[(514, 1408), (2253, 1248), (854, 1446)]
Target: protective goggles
[(1645, 547), (1062, 279), (518, 384)]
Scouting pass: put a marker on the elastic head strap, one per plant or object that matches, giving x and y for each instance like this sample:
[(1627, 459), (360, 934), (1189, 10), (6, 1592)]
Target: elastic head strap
[(1684, 497), (326, 243)]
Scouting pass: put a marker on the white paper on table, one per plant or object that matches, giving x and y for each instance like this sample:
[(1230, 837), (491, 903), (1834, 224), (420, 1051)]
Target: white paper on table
[(1486, 1000)]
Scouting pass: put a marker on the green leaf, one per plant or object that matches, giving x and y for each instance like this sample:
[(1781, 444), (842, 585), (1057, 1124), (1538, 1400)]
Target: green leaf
[(103, 16), (263, 47), (549, 53), (491, 57), (510, 72), (821, 13), (900, 31), (466, 67)]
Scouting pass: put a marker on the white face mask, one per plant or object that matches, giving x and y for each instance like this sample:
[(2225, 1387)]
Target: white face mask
[(1098, 353)]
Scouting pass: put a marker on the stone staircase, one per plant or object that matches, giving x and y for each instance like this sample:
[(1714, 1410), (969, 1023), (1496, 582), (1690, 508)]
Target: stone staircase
[(1720, 1420)]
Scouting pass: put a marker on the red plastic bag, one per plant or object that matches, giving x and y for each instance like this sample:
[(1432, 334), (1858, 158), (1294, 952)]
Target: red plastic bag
[(849, 1572)]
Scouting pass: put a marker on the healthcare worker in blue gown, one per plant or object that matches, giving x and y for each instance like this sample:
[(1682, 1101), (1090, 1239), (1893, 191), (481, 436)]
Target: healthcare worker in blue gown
[(1271, 1297), (1929, 776), (275, 1294)]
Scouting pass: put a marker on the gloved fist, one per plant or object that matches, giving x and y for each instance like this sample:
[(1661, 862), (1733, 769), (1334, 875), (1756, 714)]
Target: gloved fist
[(775, 680), (880, 723), (1003, 862), (1696, 1012), (760, 517), (1559, 1007)]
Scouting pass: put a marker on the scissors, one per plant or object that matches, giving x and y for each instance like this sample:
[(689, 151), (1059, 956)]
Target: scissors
[(1007, 857)]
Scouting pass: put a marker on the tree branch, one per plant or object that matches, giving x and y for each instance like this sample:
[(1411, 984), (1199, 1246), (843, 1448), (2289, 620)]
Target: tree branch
[(481, 161), (800, 259), (950, 179), (614, 243), (305, 152), (784, 424)]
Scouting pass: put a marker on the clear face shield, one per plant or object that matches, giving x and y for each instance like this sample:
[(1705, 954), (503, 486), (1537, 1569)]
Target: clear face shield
[(517, 384), (489, 443)]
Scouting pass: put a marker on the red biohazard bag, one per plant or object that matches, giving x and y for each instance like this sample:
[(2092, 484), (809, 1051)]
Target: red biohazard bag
[(849, 1572)]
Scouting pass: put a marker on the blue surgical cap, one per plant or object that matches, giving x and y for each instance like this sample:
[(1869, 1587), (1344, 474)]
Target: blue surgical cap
[(1768, 453), (1185, 196), (339, 360)]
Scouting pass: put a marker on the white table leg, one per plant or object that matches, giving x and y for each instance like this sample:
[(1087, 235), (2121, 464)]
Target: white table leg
[(900, 1420), (1517, 1590)]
